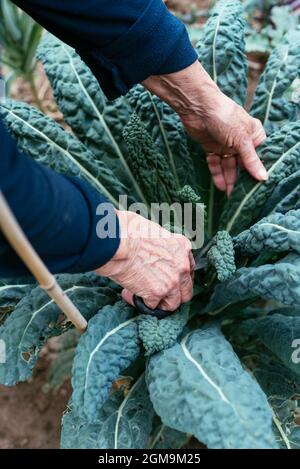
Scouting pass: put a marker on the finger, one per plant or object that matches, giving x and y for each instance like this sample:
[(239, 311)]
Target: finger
[(240, 162), (171, 302), (192, 262), (229, 166), (127, 296), (152, 302), (215, 167), (186, 289), (259, 134), (251, 161)]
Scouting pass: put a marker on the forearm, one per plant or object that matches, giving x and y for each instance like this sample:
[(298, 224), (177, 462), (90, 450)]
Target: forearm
[(123, 42), (221, 126), (58, 214), (188, 91)]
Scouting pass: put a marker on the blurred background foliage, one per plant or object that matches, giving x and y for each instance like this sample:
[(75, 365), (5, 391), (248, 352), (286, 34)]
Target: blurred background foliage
[(20, 36), (267, 21)]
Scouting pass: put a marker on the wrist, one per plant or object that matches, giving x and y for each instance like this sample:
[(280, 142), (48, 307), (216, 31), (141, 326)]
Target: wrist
[(122, 253), (128, 222), (190, 92)]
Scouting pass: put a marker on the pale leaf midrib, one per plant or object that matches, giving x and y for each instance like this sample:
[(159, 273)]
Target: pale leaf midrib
[(105, 126), (100, 343), (189, 357), (121, 408), (36, 312), (7, 287), (84, 171), (279, 227), (271, 93), (256, 186)]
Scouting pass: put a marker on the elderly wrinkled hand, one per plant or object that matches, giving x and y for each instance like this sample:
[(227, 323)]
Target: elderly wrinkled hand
[(152, 263), (230, 137), (224, 129)]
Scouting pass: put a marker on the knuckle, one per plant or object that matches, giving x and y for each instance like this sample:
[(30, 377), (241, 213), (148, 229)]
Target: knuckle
[(250, 159), (160, 291), (188, 244), (151, 303), (174, 304), (175, 283), (258, 123), (172, 284), (185, 268), (181, 239), (188, 297)]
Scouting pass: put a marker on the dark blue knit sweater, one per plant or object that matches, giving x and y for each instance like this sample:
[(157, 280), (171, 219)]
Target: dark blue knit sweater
[(123, 42)]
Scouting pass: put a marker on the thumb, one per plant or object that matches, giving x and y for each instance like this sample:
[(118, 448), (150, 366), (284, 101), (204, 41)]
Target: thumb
[(127, 296), (251, 161)]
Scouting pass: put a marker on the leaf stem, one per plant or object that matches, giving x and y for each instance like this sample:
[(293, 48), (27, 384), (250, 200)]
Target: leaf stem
[(167, 145), (280, 429), (107, 130)]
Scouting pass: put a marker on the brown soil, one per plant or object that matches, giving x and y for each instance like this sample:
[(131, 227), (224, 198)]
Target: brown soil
[(184, 6), (30, 417)]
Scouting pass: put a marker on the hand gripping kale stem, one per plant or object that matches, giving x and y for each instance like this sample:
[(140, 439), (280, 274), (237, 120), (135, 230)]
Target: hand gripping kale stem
[(18, 240)]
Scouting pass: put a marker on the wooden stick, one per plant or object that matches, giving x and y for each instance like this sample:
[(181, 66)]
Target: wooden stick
[(18, 240)]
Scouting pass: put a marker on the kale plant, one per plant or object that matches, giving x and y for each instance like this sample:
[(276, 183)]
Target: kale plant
[(223, 368)]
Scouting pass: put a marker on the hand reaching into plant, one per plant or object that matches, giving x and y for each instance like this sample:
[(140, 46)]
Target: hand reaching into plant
[(152, 263), (225, 130)]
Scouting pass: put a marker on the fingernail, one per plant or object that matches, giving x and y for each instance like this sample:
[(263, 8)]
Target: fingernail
[(263, 174), (229, 190)]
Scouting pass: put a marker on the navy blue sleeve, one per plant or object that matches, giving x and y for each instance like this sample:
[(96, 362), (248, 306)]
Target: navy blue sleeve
[(57, 213), (122, 41)]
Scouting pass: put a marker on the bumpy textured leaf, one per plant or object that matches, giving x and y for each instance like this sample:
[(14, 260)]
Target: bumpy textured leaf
[(221, 49), (46, 141), (166, 129), (277, 332), (269, 103), (13, 290), (291, 201), (158, 335), (280, 154), (124, 422), (150, 167), (188, 195), (200, 387), (221, 255), (109, 345), (36, 318), (97, 123), (285, 197), (60, 368), (275, 233), (279, 281), (283, 390), (164, 437)]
